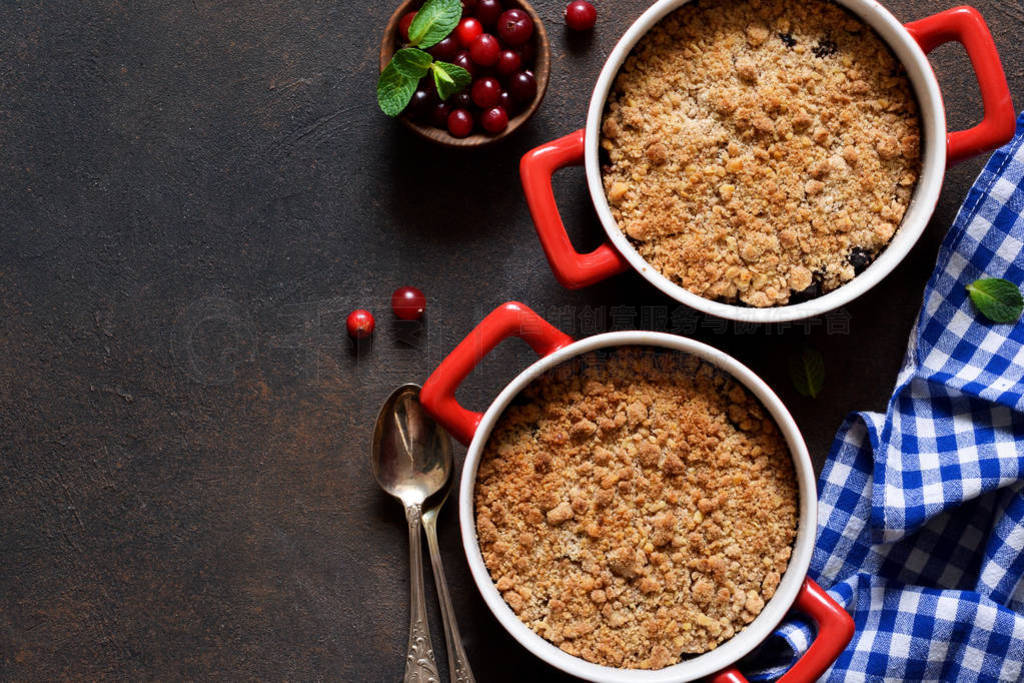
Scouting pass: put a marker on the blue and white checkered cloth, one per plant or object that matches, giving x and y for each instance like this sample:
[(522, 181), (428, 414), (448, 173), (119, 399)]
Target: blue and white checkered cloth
[(921, 513)]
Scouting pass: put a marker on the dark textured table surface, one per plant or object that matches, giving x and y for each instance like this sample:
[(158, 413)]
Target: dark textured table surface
[(194, 195)]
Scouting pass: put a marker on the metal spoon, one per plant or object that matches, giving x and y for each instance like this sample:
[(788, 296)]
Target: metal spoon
[(458, 663), (409, 463)]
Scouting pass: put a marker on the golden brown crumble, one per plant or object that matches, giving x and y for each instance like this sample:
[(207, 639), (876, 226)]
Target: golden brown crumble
[(754, 146), (636, 506)]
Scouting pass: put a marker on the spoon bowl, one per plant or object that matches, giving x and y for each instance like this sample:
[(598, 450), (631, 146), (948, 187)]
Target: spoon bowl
[(412, 454)]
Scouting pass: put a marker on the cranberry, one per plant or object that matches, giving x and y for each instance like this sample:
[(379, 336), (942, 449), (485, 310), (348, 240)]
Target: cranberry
[(439, 114), (522, 86), (445, 49), (461, 100), (467, 31), (509, 62), (528, 52), (580, 15), (507, 103), (404, 23), (421, 104), (463, 59), (460, 123), (408, 303), (488, 11), (515, 27), (468, 6), (485, 92), (359, 324), (494, 120), (485, 50)]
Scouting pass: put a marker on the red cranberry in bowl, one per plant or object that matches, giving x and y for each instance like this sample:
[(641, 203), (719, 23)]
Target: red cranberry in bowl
[(488, 11), (467, 31), (509, 62), (421, 104), (485, 50), (461, 100), (404, 24), (494, 120), (439, 114), (485, 92), (460, 123), (465, 61), (506, 102), (527, 52), (515, 27), (522, 86), (445, 50)]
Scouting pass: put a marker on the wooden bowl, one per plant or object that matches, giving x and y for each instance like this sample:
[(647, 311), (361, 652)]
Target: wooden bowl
[(541, 68)]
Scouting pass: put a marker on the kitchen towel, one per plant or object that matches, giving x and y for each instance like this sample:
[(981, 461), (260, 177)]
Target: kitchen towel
[(921, 512)]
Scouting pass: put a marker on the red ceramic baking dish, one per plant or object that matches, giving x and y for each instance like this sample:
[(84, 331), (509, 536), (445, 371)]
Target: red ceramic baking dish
[(834, 625), (909, 43)]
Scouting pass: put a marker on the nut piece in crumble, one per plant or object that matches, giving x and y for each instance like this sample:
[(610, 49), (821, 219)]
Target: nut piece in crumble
[(636, 507)]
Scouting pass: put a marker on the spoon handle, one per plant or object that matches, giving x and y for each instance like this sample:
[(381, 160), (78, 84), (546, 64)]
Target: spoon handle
[(420, 666), (458, 663)]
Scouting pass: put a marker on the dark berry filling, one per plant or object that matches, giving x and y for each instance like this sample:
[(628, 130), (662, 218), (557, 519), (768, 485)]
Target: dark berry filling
[(824, 48), (860, 260)]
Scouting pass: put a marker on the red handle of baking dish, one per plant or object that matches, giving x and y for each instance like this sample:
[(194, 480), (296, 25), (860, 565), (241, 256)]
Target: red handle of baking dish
[(966, 26), (511, 319), (571, 268), (835, 629)]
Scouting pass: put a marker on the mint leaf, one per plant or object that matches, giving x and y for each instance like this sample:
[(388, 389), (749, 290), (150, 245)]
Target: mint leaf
[(449, 78), (435, 20), (997, 299), (807, 370), (412, 63), (394, 90)]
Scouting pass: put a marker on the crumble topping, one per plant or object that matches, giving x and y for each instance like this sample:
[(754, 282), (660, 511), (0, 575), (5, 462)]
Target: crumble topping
[(636, 506), (753, 145)]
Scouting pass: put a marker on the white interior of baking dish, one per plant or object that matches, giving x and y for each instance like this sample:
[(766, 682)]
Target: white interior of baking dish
[(922, 203), (740, 644)]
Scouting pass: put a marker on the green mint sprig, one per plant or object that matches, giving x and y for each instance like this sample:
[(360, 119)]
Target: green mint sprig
[(398, 81), (807, 371), (997, 299)]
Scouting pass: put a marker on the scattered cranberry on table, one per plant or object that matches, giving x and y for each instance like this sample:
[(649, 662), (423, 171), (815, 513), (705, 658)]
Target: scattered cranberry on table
[(496, 44), (580, 15), (408, 303), (359, 324), (405, 23)]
